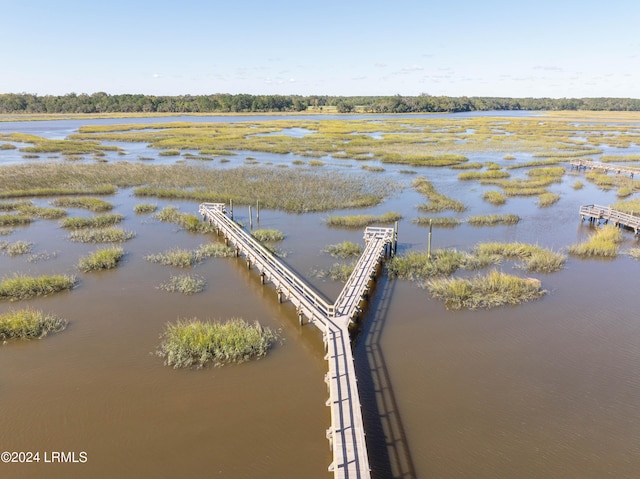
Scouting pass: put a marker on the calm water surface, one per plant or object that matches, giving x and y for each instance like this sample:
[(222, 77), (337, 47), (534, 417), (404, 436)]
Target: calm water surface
[(549, 389)]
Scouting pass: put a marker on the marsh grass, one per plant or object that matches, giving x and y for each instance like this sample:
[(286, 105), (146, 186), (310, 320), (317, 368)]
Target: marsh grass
[(29, 324), (100, 221), (186, 221), (14, 220), (487, 291), (184, 258), (631, 206), (193, 343), (104, 258), (436, 221), (145, 208), (92, 204), (494, 197), (493, 220), (417, 266), (23, 287), (185, 284), (437, 201), (483, 175), (547, 199), (359, 221), (373, 169), (603, 243), (181, 258), (578, 185), (291, 190), (534, 258), (267, 235), (6, 231), (42, 212), (17, 248), (439, 160), (346, 249), (169, 153), (101, 235)]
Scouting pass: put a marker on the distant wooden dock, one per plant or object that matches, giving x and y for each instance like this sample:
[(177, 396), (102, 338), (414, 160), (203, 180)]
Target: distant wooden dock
[(596, 165), (346, 435), (597, 213)]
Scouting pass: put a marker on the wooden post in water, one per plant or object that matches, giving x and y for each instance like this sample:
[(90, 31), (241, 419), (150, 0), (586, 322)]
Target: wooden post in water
[(429, 242), (258, 212), (231, 208), (250, 218), (395, 238)]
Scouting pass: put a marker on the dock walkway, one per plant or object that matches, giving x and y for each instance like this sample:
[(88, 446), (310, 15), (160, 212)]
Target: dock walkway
[(597, 213), (346, 435), (588, 164)]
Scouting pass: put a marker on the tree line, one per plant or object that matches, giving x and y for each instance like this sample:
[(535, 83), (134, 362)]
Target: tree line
[(223, 103)]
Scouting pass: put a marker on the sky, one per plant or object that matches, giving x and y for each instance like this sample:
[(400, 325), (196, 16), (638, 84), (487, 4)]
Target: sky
[(543, 48)]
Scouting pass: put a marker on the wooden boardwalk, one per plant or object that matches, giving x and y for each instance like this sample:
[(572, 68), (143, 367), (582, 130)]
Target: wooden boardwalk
[(346, 435), (596, 213), (588, 164)]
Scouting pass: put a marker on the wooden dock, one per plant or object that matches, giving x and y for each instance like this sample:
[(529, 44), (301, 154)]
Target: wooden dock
[(346, 435), (596, 213), (588, 164)]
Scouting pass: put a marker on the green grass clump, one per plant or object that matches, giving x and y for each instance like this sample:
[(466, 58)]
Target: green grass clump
[(43, 212), (494, 197), (189, 222), (267, 236), (14, 205), (17, 248), (346, 249), (144, 208), (416, 265), (101, 235), (24, 287), (193, 343), (578, 185), (437, 201), (373, 169), (6, 231), (29, 324), (631, 207), (359, 221), (533, 257), (169, 153), (424, 160), (185, 284), (493, 220), (100, 221), (92, 204), (15, 220), (182, 258), (437, 221), (603, 243), (105, 258), (548, 199), (212, 250), (483, 175), (488, 291)]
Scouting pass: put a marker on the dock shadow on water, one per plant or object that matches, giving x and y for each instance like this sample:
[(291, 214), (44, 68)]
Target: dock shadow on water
[(389, 454)]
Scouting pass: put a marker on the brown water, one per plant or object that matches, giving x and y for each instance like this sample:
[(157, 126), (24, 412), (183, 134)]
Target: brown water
[(549, 389)]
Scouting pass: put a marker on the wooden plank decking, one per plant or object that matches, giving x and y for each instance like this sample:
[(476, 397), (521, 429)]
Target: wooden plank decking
[(597, 213), (346, 434)]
